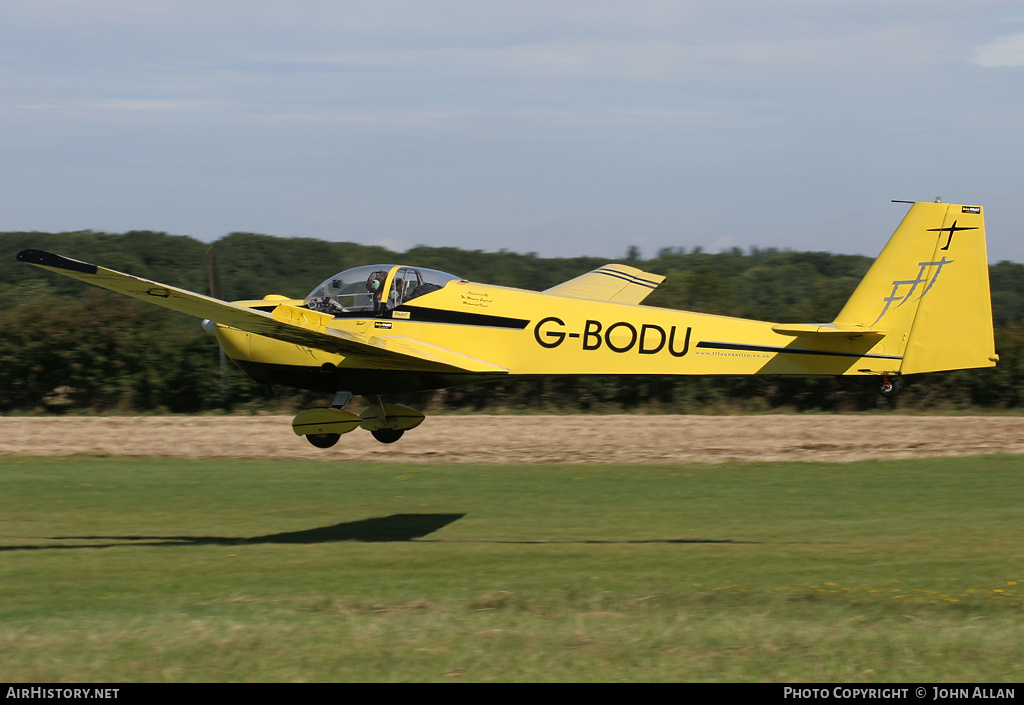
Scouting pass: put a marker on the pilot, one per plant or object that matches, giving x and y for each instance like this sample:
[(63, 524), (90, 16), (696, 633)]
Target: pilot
[(397, 293), (375, 285)]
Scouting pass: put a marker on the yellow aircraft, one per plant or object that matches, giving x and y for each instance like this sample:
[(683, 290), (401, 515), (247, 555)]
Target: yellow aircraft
[(924, 306)]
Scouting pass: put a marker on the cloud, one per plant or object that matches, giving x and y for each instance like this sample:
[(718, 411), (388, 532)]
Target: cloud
[(490, 123), (1005, 51)]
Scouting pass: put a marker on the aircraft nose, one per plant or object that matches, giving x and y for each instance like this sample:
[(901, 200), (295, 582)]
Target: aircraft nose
[(209, 326)]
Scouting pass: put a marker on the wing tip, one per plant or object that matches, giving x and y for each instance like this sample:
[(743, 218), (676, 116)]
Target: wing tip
[(48, 259)]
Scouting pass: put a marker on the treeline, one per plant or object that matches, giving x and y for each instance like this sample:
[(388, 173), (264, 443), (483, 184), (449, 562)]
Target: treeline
[(67, 346)]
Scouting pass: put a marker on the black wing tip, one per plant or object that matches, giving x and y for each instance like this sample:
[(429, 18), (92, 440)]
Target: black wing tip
[(48, 259)]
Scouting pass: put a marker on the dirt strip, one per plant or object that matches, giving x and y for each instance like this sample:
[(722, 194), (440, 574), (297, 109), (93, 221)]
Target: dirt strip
[(529, 439)]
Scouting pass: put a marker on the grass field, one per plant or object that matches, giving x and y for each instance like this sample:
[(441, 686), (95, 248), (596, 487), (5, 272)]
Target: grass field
[(121, 570)]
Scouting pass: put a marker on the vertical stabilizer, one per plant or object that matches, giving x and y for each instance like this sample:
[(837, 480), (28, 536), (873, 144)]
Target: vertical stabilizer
[(929, 291)]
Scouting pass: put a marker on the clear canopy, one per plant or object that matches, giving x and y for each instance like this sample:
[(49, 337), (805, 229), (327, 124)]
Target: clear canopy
[(375, 288)]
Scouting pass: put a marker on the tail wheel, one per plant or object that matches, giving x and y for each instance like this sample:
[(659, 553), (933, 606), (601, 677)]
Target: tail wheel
[(387, 435), (323, 440), (889, 387)]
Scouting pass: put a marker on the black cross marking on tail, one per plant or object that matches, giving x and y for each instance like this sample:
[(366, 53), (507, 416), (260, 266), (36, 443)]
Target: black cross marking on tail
[(951, 229)]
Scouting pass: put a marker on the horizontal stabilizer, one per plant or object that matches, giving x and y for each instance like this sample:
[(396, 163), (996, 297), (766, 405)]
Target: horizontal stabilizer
[(826, 329)]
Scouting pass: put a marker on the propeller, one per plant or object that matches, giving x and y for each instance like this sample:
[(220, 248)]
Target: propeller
[(213, 278)]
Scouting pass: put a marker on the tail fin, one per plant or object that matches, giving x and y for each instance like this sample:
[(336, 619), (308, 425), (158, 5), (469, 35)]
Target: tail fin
[(929, 291)]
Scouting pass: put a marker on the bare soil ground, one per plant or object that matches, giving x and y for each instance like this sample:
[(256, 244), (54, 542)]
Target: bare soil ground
[(529, 439)]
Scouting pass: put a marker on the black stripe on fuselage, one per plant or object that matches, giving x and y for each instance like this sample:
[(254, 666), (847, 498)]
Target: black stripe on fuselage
[(462, 318), (796, 351), (433, 315)]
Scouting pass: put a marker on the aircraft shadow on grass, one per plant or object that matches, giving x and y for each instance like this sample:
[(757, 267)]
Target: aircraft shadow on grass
[(397, 527)]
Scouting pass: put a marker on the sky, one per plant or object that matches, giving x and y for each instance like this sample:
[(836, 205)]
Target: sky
[(563, 127)]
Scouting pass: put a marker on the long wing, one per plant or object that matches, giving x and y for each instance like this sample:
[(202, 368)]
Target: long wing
[(617, 283), (291, 324)]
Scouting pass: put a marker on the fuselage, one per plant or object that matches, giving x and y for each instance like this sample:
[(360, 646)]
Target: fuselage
[(536, 334)]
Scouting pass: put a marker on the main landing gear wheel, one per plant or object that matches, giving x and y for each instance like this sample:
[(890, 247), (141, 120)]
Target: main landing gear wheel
[(889, 387), (323, 440), (387, 435)]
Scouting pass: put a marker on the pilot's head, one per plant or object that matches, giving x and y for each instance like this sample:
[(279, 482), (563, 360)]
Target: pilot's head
[(375, 282)]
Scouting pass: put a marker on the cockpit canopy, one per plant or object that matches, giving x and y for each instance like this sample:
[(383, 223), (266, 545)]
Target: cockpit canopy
[(374, 289)]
